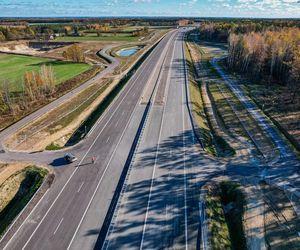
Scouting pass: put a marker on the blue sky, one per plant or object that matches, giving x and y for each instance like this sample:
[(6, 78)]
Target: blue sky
[(199, 8)]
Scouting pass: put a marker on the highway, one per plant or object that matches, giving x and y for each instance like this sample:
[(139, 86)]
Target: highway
[(148, 130), (82, 194), (23, 122), (159, 204)]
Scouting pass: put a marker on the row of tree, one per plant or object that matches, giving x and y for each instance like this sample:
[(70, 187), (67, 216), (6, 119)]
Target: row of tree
[(220, 31), (36, 86), (16, 33), (273, 55)]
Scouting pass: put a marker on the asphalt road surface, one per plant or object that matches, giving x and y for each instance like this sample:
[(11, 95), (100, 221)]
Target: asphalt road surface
[(18, 125), (159, 204), (75, 206)]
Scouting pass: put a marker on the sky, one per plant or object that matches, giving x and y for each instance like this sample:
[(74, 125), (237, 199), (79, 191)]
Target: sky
[(193, 8)]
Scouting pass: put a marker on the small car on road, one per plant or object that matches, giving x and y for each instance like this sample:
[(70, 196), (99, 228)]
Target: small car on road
[(70, 158)]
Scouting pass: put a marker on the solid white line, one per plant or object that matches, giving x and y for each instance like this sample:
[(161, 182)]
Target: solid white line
[(58, 225), (111, 231), (183, 142), (101, 177), (152, 180), (80, 187), (20, 213), (100, 181), (49, 209), (154, 167), (137, 74), (78, 165), (25, 220)]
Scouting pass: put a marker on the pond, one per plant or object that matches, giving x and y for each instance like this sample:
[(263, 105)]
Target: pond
[(128, 51)]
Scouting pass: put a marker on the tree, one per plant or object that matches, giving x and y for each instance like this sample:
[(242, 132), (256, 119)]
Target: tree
[(5, 95), (272, 55), (294, 80), (48, 79), (2, 37), (74, 53)]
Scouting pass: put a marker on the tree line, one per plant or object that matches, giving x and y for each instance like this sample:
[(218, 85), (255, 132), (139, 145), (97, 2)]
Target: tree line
[(37, 85), (267, 51), (220, 31), (274, 55), (8, 33)]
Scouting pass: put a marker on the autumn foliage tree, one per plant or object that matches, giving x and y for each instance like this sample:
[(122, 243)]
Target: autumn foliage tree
[(274, 54), (74, 53), (39, 84)]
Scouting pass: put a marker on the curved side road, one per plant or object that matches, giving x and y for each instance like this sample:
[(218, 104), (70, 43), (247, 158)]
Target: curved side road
[(23, 122), (88, 188)]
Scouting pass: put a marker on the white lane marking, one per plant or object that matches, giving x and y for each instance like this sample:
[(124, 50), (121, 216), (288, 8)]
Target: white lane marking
[(79, 163), (152, 180), (58, 225), (183, 142), (20, 213), (154, 167), (123, 112), (107, 140), (100, 181), (119, 94), (80, 187), (116, 123), (26, 219), (111, 231), (41, 221)]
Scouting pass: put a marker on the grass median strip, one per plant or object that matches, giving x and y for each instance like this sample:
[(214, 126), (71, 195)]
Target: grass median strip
[(225, 215), (58, 119), (199, 114), (82, 102), (87, 125), (213, 143), (238, 120)]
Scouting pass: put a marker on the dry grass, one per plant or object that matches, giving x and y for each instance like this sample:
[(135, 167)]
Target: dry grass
[(58, 124), (16, 191), (7, 169)]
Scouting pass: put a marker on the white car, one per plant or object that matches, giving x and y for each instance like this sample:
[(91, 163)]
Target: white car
[(70, 158)]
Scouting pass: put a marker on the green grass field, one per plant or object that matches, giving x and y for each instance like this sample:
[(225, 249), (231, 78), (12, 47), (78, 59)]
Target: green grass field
[(13, 68), (106, 37)]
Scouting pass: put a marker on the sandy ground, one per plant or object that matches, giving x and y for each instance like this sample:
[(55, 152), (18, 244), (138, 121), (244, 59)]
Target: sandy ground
[(10, 184), (7, 169), (21, 47)]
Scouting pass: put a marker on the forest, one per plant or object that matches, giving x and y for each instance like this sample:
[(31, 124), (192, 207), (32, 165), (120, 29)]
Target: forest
[(266, 51)]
